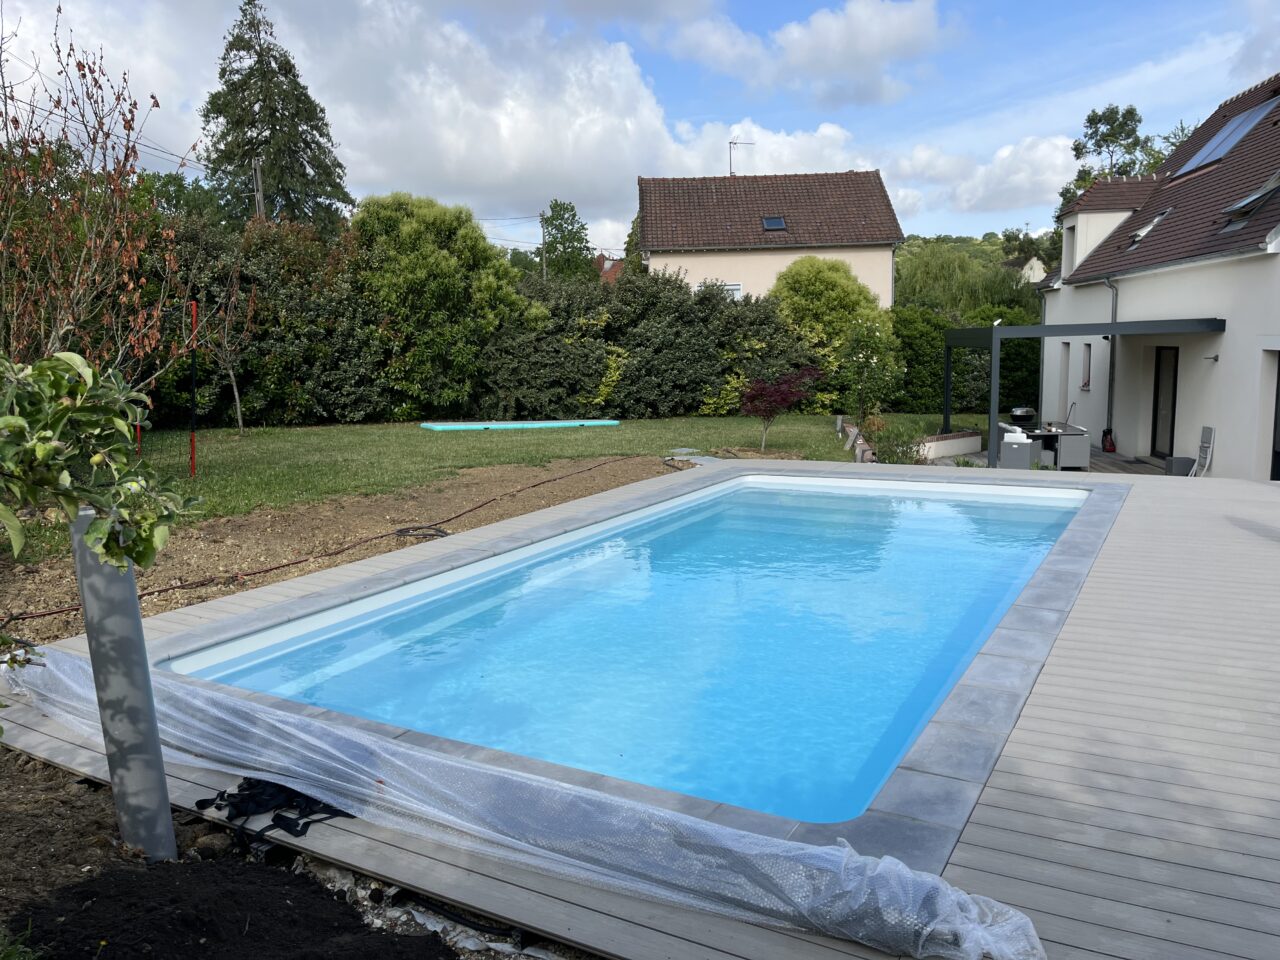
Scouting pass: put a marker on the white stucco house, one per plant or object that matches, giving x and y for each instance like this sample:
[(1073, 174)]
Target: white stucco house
[(742, 231), (1186, 265)]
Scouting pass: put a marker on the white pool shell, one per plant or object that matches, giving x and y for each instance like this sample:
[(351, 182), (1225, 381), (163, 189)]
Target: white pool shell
[(918, 814), (453, 580)]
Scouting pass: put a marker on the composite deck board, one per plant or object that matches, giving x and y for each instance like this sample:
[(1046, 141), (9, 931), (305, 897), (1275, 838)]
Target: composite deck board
[(1187, 794), (1134, 812), (1219, 885)]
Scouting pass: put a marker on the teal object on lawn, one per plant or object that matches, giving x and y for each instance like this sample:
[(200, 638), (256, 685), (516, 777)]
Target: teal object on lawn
[(519, 424)]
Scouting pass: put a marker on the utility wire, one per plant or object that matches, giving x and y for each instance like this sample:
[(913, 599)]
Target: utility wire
[(139, 141)]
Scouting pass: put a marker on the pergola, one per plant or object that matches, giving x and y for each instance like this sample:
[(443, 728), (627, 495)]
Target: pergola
[(990, 338)]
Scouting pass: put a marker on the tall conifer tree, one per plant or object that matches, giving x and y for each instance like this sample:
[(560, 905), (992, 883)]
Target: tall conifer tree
[(262, 110)]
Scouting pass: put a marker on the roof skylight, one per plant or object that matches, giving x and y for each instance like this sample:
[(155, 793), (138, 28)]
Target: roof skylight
[(1238, 213), (774, 223), (1138, 235), (1232, 132)]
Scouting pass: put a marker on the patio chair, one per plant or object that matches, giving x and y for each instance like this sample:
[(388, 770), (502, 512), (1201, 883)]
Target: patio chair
[(1206, 453)]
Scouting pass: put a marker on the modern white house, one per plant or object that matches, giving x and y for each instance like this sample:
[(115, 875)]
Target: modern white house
[(1165, 316), (742, 231)]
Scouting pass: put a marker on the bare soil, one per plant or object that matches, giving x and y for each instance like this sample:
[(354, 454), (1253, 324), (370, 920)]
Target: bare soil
[(71, 890), (229, 547)]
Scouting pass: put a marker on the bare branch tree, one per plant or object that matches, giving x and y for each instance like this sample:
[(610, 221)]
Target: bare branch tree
[(85, 259)]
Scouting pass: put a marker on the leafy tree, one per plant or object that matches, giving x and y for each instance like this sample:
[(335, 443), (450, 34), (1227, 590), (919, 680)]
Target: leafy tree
[(955, 278), (525, 262), (631, 252), (829, 309), (769, 399), (1019, 243), (1112, 138), (262, 110), (1112, 144), (443, 290), (566, 246)]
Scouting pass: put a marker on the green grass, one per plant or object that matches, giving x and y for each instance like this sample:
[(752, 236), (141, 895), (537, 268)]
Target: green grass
[(15, 948), (277, 467)]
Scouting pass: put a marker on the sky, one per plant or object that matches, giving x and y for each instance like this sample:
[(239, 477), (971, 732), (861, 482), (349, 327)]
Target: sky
[(967, 108)]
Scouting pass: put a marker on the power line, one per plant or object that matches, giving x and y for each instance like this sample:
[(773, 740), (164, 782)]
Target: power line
[(529, 243), (495, 219), (157, 151)]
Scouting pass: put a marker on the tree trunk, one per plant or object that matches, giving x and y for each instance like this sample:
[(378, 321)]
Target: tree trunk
[(235, 395), (764, 437)]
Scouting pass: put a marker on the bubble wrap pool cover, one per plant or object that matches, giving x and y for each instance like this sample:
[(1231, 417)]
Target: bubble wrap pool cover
[(569, 832)]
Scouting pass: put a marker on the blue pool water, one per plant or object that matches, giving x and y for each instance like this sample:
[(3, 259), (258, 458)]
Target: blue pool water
[(773, 647), (518, 425)]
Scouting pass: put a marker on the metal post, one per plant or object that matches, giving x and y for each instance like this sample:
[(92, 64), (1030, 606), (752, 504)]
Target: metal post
[(193, 388), (542, 222), (946, 389), (122, 677), (993, 418)]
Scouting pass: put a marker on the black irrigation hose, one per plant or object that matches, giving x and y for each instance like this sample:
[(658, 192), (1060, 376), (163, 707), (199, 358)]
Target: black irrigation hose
[(421, 531)]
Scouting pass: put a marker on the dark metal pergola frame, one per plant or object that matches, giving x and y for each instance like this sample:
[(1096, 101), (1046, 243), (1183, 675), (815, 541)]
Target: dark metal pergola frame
[(990, 338)]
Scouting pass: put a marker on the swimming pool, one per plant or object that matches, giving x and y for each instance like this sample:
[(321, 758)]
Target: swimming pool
[(774, 643)]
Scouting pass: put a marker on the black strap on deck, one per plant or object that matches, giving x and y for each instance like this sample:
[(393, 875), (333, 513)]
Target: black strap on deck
[(253, 797)]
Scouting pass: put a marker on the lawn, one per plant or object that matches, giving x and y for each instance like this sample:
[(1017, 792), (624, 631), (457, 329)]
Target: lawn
[(277, 466)]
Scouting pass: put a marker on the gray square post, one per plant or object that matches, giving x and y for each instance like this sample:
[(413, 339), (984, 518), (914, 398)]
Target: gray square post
[(122, 678)]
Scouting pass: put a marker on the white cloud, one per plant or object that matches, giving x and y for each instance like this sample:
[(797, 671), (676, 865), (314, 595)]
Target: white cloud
[(931, 165), (907, 202), (844, 55), (1024, 174), (1259, 54)]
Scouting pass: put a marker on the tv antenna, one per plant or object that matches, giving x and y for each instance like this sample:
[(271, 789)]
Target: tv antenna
[(737, 143)]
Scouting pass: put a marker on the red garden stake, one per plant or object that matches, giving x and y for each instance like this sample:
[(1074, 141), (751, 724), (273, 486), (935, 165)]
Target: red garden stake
[(193, 388)]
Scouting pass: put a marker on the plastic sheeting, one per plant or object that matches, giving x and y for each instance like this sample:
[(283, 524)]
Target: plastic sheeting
[(569, 832)]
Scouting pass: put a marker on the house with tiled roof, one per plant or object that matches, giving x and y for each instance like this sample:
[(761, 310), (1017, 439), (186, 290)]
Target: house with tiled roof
[(1199, 240), (742, 231)]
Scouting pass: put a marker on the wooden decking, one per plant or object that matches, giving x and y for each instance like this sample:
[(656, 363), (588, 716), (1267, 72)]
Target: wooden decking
[(1135, 810), (1101, 462), (1133, 813)]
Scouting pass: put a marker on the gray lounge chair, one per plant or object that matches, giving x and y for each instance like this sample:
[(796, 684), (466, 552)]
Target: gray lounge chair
[(1206, 453)]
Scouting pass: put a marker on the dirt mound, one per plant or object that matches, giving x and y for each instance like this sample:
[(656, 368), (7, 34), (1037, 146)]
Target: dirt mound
[(213, 910)]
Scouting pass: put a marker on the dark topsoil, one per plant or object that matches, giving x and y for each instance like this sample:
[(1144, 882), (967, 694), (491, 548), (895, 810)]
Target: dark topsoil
[(64, 879)]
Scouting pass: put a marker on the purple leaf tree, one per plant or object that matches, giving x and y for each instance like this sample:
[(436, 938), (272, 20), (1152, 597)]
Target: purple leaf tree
[(769, 399)]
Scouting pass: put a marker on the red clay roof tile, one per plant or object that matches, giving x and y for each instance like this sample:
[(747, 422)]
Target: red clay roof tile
[(725, 213)]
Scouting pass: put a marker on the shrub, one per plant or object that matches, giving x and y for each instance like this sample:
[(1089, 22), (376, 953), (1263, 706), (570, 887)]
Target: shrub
[(920, 333), (896, 442), (840, 320)]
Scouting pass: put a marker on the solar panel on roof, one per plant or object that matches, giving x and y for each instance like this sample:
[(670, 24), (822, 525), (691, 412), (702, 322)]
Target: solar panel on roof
[(1231, 133)]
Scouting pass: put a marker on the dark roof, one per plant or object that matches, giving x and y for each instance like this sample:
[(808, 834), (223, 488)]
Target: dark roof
[(1192, 227), (1112, 193), (725, 213)]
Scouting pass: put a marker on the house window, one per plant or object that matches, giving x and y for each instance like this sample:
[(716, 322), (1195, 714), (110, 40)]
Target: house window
[(774, 223), (734, 290), (1068, 250), (1087, 364)]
